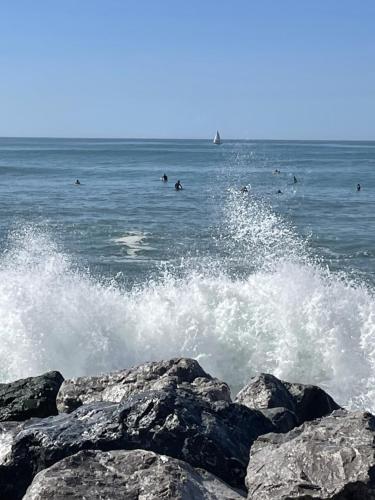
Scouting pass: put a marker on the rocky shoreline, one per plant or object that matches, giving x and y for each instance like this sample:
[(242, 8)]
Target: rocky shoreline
[(168, 430)]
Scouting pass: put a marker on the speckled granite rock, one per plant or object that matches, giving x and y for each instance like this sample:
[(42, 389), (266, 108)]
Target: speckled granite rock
[(127, 475), (329, 458), (307, 402), (114, 387)]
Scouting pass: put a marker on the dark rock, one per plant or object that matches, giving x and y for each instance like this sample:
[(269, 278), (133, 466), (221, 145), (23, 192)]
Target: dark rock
[(118, 385), (30, 397), (128, 475), (329, 458), (175, 421), (311, 401), (306, 401), (282, 419), (47, 441)]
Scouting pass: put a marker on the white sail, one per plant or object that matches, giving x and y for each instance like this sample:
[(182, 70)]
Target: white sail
[(217, 139)]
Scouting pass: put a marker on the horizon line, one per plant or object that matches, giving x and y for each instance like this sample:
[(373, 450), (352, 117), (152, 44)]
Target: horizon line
[(228, 139)]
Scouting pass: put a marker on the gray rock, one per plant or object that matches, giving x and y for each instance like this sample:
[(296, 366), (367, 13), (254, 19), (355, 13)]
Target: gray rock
[(175, 421), (282, 419), (306, 401), (127, 475), (30, 397), (328, 458), (114, 387)]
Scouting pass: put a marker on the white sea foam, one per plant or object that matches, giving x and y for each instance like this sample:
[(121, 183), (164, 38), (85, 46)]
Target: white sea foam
[(133, 241), (290, 316)]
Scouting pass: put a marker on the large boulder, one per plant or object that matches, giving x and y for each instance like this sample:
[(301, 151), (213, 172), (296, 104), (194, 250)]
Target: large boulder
[(30, 397), (175, 421), (307, 402), (328, 458), (114, 387), (128, 475)]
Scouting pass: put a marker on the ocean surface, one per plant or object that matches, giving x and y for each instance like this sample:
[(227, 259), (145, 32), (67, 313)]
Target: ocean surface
[(123, 269)]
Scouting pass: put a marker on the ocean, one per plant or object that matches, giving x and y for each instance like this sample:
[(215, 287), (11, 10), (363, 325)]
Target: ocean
[(124, 269)]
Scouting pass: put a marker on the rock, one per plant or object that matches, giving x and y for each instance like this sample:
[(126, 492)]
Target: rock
[(282, 419), (328, 458), (118, 385), (128, 475), (311, 401), (175, 421), (265, 391), (306, 401), (47, 441), (30, 397)]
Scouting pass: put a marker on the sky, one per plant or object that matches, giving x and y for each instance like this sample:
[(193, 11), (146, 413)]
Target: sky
[(265, 69)]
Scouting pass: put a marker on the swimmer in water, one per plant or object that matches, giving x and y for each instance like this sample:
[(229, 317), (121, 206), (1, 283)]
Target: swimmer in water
[(295, 179), (244, 189), (279, 192), (164, 178), (358, 187), (77, 183), (178, 186)]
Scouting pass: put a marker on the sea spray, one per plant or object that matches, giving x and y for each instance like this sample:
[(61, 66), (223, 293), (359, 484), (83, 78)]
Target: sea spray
[(266, 305)]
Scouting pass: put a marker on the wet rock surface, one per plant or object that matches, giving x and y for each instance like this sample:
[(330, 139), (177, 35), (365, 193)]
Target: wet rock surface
[(128, 475), (170, 419), (30, 397), (215, 436), (329, 458), (307, 402), (114, 387)]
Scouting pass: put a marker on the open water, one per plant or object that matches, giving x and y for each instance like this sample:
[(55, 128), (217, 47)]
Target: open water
[(123, 269)]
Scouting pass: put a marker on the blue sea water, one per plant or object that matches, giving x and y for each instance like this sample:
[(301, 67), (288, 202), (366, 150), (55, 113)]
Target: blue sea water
[(123, 268)]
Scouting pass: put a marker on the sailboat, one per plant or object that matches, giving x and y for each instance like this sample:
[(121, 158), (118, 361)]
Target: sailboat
[(217, 139)]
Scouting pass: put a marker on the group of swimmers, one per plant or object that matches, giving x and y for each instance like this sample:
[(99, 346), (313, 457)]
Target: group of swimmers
[(177, 186), (244, 189)]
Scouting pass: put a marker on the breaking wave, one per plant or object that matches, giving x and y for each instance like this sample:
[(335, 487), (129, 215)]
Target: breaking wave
[(265, 305)]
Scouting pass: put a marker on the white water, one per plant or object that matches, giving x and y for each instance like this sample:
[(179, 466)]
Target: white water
[(290, 316)]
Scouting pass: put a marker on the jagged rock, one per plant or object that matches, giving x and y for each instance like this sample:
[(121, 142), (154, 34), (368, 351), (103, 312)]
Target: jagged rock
[(174, 421), (311, 401), (282, 419), (128, 475), (114, 387), (328, 458), (306, 401), (30, 397)]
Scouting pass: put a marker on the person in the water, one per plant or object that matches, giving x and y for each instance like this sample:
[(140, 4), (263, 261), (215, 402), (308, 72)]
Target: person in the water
[(77, 183), (279, 192), (295, 179), (178, 186), (244, 189), (164, 178), (358, 187)]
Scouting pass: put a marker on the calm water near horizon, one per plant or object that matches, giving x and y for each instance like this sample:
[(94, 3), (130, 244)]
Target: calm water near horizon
[(123, 268)]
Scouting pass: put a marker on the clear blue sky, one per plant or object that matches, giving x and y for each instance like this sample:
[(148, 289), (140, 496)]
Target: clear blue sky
[(173, 68)]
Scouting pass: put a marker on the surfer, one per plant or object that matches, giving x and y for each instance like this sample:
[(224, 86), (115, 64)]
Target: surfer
[(244, 189), (178, 186), (276, 171), (295, 179), (77, 183), (279, 192), (164, 178), (358, 187)]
